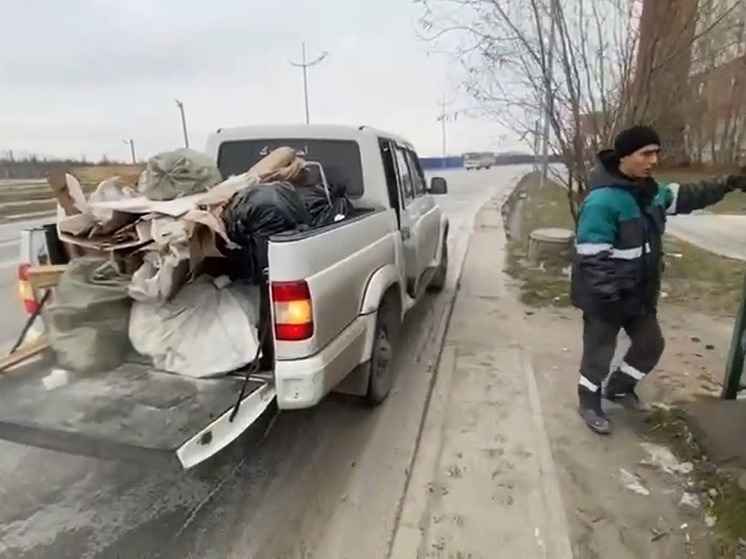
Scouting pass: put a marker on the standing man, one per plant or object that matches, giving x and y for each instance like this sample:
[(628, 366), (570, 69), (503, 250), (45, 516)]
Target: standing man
[(616, 275)]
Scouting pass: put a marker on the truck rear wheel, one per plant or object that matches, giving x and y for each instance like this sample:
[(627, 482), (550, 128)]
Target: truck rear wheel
[(381, 364), (438, 283)]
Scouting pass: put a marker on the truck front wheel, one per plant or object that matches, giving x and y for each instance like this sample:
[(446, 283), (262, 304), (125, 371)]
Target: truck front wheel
[(381, 364)]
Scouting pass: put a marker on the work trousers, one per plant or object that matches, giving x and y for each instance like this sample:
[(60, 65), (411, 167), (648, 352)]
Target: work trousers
[(599, 345)]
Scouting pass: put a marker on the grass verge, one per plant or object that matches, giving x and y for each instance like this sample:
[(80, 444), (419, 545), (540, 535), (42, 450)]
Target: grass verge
[(703, 281), (547, 206), (723, 497)]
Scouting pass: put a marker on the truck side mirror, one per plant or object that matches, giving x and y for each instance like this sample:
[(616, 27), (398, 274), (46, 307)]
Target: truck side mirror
[(438, 185)]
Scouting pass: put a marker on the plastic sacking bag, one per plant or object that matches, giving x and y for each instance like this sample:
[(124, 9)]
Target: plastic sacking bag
[(87, 320), (325, 208), (255, 214), (182, 172), (208, 329)]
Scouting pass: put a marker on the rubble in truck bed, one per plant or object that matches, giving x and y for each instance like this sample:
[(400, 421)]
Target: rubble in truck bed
[(173, 264)]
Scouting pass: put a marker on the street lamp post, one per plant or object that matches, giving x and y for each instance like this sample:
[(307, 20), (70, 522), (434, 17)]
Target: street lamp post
[(548, 84), (131, 144), (183, 122), (443, 117), (304, 64)]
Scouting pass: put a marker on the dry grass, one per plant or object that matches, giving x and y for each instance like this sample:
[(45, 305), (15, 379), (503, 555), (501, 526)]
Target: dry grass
[(694, 277), (18, 201), (725, 499), (541, 284), (701, 280), (89, 177)]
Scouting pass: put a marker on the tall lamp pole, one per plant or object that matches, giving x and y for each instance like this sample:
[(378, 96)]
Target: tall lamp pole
[(183, 122), (304, 65), (131, 144), (548, 83)]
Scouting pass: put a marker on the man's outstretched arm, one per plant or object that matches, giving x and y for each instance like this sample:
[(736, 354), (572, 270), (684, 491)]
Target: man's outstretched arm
[(685, 198)]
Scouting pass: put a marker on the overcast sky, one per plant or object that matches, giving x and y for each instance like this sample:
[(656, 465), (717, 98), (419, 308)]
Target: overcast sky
[(79, 76)]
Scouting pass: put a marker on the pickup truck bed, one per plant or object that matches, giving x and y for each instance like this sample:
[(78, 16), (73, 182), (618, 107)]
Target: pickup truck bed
[(132, 412), (136, 412)]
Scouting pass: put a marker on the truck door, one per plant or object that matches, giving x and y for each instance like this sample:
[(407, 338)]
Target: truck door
[(429, 231), (412, 213)]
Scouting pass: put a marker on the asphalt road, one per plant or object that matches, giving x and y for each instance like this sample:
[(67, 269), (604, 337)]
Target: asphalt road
[(322, 483), (721, 234)]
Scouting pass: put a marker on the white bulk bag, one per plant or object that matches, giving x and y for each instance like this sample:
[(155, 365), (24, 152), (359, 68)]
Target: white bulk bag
[(208, 329)]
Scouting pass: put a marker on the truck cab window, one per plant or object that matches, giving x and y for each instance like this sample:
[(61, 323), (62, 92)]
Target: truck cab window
[(405, 176), (418, 177), (389, 169)]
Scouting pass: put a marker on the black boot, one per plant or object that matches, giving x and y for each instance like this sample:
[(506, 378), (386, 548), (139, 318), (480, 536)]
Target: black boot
[(620, 389), (592, 413)]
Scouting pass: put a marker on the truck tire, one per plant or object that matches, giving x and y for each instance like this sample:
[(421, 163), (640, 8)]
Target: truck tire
[(381, 363), (438, 283)]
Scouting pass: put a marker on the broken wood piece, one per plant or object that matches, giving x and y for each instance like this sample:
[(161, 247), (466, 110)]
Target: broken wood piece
[(26, 351), (45, 277), (58, 182)]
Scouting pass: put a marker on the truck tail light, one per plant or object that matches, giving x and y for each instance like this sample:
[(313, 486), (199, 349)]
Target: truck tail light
[(25, 292), (293, 311)]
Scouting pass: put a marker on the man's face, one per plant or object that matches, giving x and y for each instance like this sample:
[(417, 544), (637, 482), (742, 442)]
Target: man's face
[(639, 165)]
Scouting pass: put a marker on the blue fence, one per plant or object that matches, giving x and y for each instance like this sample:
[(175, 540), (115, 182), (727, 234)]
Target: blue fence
[(457, 162), (432, 163)]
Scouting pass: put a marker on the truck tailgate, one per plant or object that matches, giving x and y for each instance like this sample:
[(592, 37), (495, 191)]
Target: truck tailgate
[(132, 412)]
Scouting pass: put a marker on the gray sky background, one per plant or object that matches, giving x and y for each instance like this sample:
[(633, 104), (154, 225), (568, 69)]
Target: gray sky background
[(79, 76)]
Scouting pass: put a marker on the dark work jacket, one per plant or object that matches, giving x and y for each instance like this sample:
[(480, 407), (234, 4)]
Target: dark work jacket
[(618, 259)]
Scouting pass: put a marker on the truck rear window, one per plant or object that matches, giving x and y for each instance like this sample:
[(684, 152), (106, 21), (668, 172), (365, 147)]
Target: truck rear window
[(340, 158)]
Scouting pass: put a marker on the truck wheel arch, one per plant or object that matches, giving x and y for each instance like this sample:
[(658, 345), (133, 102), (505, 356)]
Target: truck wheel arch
[(378, 285)]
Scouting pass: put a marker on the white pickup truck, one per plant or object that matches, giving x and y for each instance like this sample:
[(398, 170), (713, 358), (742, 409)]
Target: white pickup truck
[(336, 296)]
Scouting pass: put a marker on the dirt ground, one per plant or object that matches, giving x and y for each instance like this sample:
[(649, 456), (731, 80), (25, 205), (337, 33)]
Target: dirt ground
[(626, 495)]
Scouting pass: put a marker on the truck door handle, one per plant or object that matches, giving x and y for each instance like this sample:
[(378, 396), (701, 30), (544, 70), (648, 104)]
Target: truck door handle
[(405, 233)]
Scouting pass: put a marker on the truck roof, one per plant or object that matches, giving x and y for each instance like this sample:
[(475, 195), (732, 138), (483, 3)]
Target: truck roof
[(320, 131)]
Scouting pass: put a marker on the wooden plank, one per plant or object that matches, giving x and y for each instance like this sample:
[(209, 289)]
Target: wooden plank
[(26, 351), (44, 277)]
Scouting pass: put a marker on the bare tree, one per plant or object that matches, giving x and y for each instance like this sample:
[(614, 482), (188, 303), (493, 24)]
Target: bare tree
[(614, 62), (717, 123)]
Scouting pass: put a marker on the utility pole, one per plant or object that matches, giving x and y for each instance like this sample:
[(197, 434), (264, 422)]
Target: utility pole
[(548, 84), (304, 65), (443, 117), (131, 144), (183, 123)]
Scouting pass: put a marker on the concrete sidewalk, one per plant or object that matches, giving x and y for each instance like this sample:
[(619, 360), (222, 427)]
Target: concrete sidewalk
[(484, 483)]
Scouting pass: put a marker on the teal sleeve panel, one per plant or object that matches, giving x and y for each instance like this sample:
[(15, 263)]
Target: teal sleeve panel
[(598, 220)]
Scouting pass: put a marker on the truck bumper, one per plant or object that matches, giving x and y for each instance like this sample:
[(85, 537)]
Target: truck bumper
[(302, 383)]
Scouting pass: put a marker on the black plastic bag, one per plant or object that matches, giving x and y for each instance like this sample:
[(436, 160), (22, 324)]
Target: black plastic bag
[(322, 209), (256, 213)]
